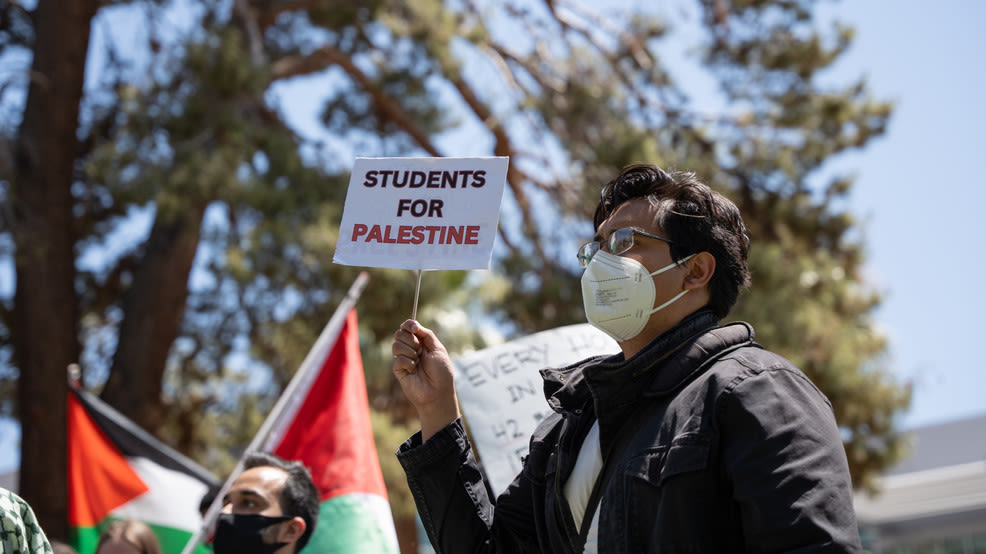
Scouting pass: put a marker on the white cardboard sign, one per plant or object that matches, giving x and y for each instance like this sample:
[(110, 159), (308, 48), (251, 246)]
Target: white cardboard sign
[(501, 393), (421, 213)]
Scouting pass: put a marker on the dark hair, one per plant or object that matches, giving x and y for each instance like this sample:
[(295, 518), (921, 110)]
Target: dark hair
[(695, 217), (133, 532), (299, 496), (207, 499)]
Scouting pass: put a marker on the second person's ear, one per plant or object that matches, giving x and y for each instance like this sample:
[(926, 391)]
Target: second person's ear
[(701, 267)]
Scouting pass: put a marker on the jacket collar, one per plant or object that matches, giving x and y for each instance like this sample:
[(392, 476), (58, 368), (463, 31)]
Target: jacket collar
[(691, 358), (658, 369)]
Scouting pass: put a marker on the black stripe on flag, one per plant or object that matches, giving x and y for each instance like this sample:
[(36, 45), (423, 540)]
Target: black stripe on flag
[(134, 441)]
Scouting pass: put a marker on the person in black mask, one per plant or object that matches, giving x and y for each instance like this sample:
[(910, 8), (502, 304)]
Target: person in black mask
[(270, 508)]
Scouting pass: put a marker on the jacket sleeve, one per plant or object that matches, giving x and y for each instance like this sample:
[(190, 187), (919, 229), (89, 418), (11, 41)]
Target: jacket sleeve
[(455, 502), (785, 460)]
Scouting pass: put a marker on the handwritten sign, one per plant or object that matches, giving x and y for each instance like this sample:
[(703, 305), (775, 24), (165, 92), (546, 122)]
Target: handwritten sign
[(421, 213), (501, 392)]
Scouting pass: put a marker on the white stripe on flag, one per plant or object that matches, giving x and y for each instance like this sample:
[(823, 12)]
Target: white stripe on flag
[(172, 501), (380, 509)]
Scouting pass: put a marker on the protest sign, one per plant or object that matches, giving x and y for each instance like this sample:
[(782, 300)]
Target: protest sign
[(421, 213), (501, 392)]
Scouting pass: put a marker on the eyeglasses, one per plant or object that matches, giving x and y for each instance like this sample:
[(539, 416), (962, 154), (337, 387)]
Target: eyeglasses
[(618, 242)]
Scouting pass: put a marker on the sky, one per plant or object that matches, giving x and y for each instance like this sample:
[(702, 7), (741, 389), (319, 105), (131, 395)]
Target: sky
[(919, 195)]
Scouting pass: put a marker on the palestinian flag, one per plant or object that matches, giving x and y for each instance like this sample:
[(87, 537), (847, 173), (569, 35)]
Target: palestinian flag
[(328, 429), (117, 470)]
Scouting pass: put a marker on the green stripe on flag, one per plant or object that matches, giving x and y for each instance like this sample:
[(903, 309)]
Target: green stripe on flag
[(174, 540), (345, 525), (85, 539)]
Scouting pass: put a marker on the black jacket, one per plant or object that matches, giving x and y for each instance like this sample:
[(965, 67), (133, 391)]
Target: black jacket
[(731, 449)]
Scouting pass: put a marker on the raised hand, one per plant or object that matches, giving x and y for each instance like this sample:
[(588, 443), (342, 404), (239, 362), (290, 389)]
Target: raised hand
[(424, 370)]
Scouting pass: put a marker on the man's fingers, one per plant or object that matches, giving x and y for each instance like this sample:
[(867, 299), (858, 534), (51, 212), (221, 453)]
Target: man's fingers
[(412, 341), (423, 336), (403, 360), (404, 367), (400, 349), (404, 337), (406, 352)]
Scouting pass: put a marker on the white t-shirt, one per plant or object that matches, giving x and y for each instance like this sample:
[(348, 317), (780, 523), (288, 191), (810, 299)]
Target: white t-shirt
[(578, 488)]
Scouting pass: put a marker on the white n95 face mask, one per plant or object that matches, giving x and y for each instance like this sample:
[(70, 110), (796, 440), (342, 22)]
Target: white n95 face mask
[(618, 294)]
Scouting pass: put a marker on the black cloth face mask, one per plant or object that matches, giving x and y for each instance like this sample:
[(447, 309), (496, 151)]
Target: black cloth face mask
[(243, 534)]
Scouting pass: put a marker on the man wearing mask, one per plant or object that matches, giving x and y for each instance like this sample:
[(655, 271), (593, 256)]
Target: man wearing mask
[(270, 508), (692, 439)]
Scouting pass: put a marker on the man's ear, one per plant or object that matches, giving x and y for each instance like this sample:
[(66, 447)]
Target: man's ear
[(292, 530), (700, 270)]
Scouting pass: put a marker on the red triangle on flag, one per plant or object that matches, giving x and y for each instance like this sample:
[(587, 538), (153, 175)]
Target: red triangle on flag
[(99, 477), (331, 431)]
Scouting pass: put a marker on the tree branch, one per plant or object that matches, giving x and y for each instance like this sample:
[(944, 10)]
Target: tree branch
[(268, 11), (327, 55), (244, 17)]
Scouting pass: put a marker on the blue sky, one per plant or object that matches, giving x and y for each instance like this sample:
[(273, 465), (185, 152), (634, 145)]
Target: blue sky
[(919, 194)]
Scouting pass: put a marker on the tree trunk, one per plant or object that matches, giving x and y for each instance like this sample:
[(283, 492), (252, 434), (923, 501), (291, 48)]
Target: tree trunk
[(153, 308), (45, 310)]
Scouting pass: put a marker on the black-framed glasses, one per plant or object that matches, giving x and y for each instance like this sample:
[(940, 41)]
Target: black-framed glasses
[(618, 242)]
